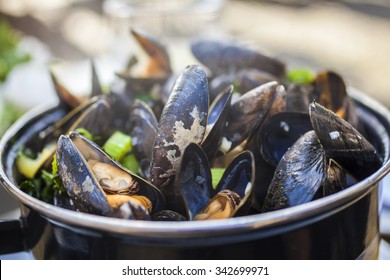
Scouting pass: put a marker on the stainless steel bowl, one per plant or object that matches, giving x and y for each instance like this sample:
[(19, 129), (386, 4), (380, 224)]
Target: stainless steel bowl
[(341, 226)]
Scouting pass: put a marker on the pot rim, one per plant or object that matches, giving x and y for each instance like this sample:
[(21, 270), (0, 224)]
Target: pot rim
[(263, 222)]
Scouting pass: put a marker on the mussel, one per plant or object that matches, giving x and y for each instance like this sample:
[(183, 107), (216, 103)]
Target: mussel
[(88, 174), (198, 200), (183, 121), (229, 56), (322, 161)]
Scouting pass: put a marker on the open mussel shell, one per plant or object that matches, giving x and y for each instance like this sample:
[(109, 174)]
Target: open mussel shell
[(66, 98), (159, 64), (79, 182), (155, 71), (330, 91), (194, 191), (96, 84), (95, 119), (218, 114), (344, 143), (142, 127), (193, 188), (247, 114), (280, 132), (75, 155), (298, 98), (70, 100), (299, 174), (337, 179), (219, 83), (239, 177), (91, 115), (183, 120)]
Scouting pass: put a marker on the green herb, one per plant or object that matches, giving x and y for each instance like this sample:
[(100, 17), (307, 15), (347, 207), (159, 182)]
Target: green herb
[(301, 76), (9, 56), (41, 187), (46, 185), (31, 187)]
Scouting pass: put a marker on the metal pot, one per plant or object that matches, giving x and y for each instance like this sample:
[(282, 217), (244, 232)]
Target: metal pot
[(344, 225)]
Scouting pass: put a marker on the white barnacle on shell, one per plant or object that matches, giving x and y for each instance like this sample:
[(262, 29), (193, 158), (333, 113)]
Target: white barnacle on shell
[(334, 135), (182, 137), (87, 185)]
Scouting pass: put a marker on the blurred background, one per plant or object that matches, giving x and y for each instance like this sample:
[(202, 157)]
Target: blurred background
[(351, 37)]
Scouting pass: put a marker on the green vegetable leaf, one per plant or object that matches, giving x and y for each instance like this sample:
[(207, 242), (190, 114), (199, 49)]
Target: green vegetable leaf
[(130, 162), (118, 145), (216, 175)]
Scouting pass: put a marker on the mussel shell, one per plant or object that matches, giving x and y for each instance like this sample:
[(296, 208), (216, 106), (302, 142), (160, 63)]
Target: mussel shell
[(154, 49), (183, 121), (96, 85), (229, 56), (168, 216), (95, 119), (248, 112), (239, 177), (249, 78), (63, 125), (78, 181), (278, 103), (298, 98), (218, 84), (193, 185), (218, 114), (86, 150), (137, 85), (280, 132), (142, 127), (121, 104), (337, 179), (299, 174), (193, 188), (66, 98), (344, 143), (91, 115), (330, 91)]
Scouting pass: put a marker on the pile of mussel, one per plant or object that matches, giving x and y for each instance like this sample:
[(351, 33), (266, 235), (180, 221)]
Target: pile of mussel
[(278, 143)]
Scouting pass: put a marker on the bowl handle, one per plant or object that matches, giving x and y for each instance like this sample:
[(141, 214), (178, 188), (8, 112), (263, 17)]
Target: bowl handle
[(12, 238)]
